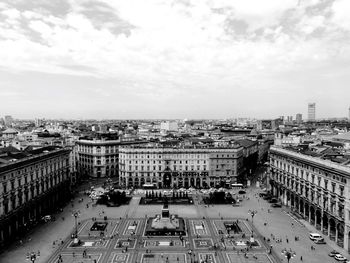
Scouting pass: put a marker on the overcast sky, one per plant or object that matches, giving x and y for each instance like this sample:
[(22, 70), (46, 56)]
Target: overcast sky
[(174, 59)]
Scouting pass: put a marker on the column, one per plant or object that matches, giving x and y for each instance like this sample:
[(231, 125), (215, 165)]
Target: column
[(336, 233), (315, 218), (309, 214), (321, 221), (304, 212), (346, 238), (329, 228)]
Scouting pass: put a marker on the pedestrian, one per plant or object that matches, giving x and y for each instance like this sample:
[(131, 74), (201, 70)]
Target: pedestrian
[(301, 258)]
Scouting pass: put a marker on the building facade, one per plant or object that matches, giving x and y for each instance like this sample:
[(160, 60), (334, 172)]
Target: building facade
[(299, 118), (30, 188), (179, 167), (317, 189), (98, 158), (311, 111)]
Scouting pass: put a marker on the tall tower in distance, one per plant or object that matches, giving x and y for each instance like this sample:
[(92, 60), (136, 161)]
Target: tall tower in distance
[(311, 111), (349, 115), (299, 118)]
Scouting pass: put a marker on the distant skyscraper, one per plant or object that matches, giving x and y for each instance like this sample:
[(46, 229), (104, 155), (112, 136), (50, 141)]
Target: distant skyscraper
[(8, 120), (349, 114), (311, 112), (299, 118), (38, 122)]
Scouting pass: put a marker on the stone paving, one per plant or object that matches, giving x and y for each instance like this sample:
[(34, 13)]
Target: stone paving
[(48, 238), (210, 246)]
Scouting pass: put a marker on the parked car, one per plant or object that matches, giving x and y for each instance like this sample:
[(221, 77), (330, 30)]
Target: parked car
[(315, 236), (340, 257), (267, 197), (333, 253), (46, 218), (273, 200), (276, 205), (320, 241)]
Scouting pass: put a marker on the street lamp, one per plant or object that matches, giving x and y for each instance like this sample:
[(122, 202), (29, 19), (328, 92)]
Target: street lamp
[(32, 256), (76, 214), (252, 214), (288, 254)]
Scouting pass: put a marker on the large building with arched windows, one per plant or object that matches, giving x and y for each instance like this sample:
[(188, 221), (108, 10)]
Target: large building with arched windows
[(168, 167), (32, 184), (316, 187), (99, 157)]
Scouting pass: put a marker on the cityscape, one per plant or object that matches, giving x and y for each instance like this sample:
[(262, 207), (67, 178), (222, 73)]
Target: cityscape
[(174, 131)]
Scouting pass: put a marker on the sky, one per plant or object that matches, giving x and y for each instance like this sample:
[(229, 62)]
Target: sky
[(134, 59)]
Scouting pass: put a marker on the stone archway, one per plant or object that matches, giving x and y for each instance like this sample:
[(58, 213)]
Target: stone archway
[(318, 219), (332, 229), (325, 224), (340, 234)]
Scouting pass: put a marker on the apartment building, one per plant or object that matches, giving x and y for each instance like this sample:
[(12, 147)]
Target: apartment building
[(99, 157), (316, 188), (167, 167), (32, 184)]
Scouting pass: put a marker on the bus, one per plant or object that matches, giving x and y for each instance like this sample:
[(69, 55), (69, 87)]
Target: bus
[(237, 186)]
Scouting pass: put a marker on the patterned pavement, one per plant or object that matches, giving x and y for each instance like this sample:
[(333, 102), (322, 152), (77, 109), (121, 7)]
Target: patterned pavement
[(123, 241)]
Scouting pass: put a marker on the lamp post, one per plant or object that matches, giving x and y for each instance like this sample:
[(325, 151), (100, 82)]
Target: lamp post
[(289, 254), (252, 214), (76, 214), (32, 256)]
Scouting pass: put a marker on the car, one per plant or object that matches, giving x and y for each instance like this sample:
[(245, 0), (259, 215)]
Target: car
[(276, 205), (333, 253), (320, 241), (340, 257), (273, 200), (46, 218), (315, 236)]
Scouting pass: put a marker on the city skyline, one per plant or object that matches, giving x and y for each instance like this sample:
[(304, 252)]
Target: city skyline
[(174, 60)]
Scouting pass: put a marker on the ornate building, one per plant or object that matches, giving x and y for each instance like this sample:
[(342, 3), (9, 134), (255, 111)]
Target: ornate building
[(167, 167), (32, 184), (99, 158), (316, 188)]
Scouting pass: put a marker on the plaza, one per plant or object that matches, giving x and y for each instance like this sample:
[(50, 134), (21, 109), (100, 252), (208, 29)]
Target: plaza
[(220, 234)]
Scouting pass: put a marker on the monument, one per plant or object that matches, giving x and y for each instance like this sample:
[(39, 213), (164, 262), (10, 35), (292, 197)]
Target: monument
[(165, 224)]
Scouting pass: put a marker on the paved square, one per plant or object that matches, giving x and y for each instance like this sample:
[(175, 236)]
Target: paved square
[(207, 258), (248, 258), (164, 243), (164, 258), (202, 243), (85, 229), (131, 227), (119, 258), (89, 244), (199, 227), (130, 243), (78, 257)]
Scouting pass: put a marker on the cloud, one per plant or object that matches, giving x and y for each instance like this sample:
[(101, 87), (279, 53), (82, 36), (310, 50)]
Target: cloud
[(166, 49)]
